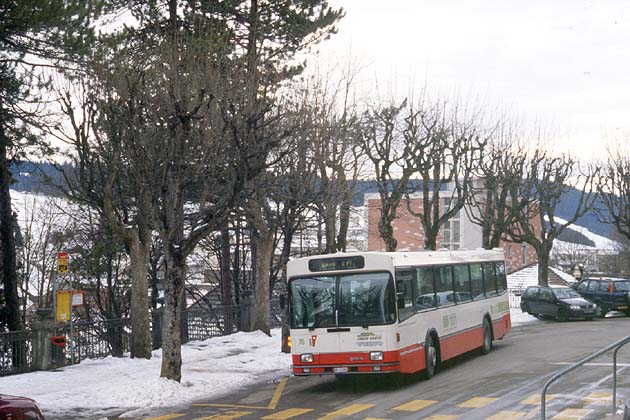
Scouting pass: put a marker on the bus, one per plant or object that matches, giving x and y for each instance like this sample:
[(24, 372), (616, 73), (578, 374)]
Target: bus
[(385, 312)]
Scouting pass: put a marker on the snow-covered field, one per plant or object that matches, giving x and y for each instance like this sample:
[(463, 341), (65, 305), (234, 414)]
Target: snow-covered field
[(104, 387)]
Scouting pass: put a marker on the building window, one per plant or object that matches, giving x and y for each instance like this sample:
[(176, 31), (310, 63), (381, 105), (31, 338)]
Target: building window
[(451, 232), (525, 259)]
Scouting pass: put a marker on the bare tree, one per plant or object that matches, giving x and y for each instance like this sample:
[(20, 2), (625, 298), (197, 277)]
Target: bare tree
[(538, 196), (447, 150), (384, 145), (615, 189), (500, 170)]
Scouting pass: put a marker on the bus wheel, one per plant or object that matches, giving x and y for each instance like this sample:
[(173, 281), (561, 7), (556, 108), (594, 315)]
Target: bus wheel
[(486, 344), (430, 356)]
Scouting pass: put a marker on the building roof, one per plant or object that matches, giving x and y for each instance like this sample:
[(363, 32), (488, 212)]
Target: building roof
[(528, 276)]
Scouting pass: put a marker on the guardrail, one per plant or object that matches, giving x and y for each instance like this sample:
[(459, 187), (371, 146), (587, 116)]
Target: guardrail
[(616, 346)]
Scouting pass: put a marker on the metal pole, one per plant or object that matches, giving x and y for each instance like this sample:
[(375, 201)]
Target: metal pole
[(55, 297), (71, 337)]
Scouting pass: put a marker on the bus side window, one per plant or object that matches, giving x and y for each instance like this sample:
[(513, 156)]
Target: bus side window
[(476, 281), (501, 277), (444, 286), (404, 293), (489, 283), (425, 289), (462, 283)]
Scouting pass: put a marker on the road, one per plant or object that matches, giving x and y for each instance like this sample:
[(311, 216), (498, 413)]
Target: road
[(503, 385)]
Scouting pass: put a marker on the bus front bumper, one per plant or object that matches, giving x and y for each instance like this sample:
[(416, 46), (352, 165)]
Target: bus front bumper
[(306, 370)]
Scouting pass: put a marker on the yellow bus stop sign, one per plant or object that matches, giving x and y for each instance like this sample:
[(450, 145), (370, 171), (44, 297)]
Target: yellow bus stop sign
[(63, 262)]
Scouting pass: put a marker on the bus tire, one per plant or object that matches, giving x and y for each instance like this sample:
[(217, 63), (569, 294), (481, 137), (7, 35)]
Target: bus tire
[(486, 343), (430, 357)]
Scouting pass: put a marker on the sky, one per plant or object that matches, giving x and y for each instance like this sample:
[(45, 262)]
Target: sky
[(563, 65), (132, 388)]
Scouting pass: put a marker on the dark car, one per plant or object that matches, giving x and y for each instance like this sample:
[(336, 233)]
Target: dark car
[(561, 303), (610, 294), (19, 408)]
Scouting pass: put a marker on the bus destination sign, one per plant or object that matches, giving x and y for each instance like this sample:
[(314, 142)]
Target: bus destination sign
[(336, 263)]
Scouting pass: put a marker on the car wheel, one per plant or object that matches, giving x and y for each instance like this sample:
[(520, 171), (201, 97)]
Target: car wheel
[(562, 315), (525, 307), (486, 345), (430, 356)]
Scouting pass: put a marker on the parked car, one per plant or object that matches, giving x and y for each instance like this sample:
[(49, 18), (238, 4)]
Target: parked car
[(610, 294), (19, 408), (562, 303)]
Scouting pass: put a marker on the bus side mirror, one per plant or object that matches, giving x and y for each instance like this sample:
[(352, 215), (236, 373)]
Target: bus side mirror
[(283, 302)]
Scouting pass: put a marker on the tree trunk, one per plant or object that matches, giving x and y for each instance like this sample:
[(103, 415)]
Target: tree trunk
[(264, 246), (171, 320), (7, 242), (139, 245), (543, 266)]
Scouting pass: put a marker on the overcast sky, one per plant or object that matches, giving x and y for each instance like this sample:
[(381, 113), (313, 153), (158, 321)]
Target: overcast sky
[(564, 64)]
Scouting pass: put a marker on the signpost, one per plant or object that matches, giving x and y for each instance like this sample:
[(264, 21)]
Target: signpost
[(65, 299)]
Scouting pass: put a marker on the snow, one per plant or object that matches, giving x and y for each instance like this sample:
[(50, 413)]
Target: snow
[(132, 387), (127, 387), (601, 242)]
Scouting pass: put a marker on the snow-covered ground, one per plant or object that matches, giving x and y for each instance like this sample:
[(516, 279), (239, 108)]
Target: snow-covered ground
[(111, 386)]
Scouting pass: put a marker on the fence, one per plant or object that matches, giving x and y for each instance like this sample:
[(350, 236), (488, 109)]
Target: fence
[(99, 339), (16, 352)]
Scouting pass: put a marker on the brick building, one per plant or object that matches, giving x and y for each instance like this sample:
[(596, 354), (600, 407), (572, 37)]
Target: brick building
[(458, 233)]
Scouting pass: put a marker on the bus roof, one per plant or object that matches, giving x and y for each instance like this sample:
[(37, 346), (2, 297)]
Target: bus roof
[(404, 259)]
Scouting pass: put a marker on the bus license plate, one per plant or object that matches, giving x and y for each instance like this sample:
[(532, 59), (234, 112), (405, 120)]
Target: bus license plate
[(340, 370)]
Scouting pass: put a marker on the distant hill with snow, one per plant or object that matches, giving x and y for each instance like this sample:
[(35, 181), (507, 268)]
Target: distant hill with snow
[(31, 177)]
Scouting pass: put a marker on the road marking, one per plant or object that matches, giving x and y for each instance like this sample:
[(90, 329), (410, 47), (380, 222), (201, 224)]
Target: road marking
[(167, 417), (507, 415), (477, 402), (228, 415), (535, 399), (287, 414), (594, 364), (372, 418), (277, 394), (347, 411), (414, 405), (598, 398), (572, 414), (443, 417), (252, 407)]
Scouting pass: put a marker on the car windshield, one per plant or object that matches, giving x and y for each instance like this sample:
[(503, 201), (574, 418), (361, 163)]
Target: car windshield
[(350, 300), (565, 293)]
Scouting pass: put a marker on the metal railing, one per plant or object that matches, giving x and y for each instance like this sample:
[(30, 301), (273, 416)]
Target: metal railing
[(112, 337), (16, 352), (616, 346)]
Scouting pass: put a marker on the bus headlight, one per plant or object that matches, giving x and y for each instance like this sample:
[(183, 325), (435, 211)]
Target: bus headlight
[(376, 355), (306, 358)]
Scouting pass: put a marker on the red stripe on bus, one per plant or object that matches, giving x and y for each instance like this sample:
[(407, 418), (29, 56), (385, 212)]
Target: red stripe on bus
[(411, 358)]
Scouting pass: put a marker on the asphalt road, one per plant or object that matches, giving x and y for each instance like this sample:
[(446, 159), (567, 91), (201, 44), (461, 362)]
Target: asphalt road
[(503, 385)]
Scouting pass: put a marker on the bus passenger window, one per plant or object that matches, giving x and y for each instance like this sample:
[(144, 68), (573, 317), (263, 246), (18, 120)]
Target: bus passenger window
[(425, 289), (444, 286), (489, 284), (501, 277), (404, 293), (476, 281), (462, 283)]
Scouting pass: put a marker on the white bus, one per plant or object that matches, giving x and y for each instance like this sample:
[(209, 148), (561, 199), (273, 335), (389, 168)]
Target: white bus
[(382, 312)]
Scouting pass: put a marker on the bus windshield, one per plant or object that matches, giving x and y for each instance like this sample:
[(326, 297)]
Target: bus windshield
[(350, 299)]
